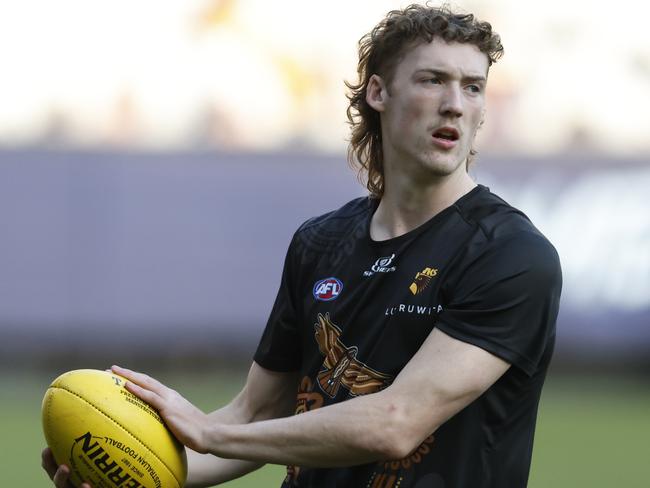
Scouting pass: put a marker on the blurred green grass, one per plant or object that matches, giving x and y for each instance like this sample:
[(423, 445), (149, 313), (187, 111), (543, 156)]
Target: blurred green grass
[(592, 432)]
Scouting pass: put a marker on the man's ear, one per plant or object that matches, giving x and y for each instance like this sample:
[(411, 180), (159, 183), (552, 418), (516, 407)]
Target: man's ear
[(483, 113), (376, 93)]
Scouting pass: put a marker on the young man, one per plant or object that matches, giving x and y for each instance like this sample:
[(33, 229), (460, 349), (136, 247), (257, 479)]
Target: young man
[(413, 328)]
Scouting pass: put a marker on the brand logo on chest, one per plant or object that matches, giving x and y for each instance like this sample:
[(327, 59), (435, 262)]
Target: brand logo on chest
[(422, 280), (327, 289), (410, 309), (382, 265)]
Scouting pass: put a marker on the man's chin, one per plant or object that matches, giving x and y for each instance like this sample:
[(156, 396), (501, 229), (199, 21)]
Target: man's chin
[(445, 166)]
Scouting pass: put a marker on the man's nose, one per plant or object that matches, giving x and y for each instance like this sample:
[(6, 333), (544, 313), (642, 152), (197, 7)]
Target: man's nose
[(452, 102)]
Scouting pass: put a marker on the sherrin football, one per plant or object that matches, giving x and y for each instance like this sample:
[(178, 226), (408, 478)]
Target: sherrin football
[(107, 435)]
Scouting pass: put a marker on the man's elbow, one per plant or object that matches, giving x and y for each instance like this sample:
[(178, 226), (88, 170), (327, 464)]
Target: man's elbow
[(397, 436), (394, 449)]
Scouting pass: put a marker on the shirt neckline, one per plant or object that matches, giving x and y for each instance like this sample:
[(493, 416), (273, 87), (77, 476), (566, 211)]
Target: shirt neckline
[(422, 227)]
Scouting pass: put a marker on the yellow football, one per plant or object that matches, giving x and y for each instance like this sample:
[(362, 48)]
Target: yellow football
[(108, 436)]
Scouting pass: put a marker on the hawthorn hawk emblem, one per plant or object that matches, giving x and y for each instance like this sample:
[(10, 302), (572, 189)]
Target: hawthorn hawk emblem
[(341, 366)]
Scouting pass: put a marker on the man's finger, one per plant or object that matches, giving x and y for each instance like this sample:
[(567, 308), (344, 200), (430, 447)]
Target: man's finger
[(140, 379), (150, 397), (61, 477), (48, 463)]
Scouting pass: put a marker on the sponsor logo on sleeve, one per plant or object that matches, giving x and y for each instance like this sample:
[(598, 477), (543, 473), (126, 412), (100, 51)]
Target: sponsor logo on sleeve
[(327, 289)]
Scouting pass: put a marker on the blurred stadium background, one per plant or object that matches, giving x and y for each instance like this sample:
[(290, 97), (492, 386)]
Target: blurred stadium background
[(155, 158)]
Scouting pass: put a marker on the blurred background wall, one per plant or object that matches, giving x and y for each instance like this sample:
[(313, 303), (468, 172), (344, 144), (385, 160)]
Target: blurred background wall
[(177, 255)]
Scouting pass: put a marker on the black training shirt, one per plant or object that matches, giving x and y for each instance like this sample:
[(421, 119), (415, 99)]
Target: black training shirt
[(351, 312)]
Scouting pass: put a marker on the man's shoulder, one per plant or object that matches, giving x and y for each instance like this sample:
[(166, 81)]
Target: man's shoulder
[(504, 233), (493, 217), (332, 228), (351, 213)]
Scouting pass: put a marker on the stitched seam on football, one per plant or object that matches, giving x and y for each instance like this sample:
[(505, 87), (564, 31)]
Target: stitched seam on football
[(125, 430)]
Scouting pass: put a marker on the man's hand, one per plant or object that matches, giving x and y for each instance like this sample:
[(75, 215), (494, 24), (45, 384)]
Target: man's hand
[(187, 422), (58, 474)]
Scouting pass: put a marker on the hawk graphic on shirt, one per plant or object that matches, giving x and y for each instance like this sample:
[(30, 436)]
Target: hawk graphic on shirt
[(341, 366), (422, 280)]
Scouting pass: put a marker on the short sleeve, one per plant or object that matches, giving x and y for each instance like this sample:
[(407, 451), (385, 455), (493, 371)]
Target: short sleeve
[(279, 347), (504, 297)]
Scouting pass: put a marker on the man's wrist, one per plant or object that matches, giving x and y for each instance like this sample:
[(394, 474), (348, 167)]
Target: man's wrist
[(212, 439)]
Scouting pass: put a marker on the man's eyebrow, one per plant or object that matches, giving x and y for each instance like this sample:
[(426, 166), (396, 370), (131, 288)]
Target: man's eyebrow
[(445, 75)]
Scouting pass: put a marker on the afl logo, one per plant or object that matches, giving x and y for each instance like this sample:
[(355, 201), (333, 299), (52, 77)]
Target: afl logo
[(328, 289)]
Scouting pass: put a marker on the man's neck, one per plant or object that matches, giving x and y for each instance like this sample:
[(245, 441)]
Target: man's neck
[(405, 206)]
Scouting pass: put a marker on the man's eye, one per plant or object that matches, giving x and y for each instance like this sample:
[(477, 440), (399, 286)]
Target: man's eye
[(433, 81), (474, 88)]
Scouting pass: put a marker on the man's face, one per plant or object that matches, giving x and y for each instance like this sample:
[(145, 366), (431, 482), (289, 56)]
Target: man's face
[(432, 108)]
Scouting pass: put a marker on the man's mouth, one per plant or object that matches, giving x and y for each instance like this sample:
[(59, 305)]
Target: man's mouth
[(448, 133), (445, 137)]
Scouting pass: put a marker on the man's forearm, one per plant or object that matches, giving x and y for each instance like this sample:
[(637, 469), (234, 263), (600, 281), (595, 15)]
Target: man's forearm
[(357, 431), (206, 470)]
